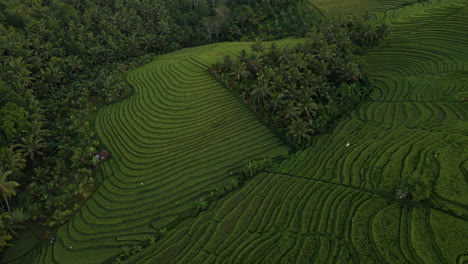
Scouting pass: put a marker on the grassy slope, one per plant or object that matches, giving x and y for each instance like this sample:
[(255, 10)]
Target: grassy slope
[(334, 202), (179, 136), (340, 7)]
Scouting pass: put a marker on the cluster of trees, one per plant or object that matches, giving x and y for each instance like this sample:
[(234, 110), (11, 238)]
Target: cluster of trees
[(301, 90), (61, 59), (248, 19)]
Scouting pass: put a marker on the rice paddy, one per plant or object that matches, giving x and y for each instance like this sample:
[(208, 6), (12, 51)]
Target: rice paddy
[(335, 202), (179, 136), (182, 134)]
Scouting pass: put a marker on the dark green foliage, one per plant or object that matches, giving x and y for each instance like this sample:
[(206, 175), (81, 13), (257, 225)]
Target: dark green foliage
[(221, 192), (414, 187), (254, 167), (5, 219), (128, 251), (300, 90), (202, 204)]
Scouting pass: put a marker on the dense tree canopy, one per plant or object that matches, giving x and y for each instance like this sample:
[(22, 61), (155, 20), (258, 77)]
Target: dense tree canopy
[(300, 90)]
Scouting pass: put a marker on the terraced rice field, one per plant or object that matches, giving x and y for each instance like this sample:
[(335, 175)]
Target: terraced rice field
[(335, 201), (340, 7), (178, 137)]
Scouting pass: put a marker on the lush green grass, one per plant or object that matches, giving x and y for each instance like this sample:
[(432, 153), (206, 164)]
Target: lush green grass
[(335, 201), (179, 136), (337, 7), (30, 239)]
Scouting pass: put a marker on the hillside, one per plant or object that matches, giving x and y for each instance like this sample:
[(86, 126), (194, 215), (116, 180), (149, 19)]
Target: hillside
[(335, 202), (387, 184), (179, 136)]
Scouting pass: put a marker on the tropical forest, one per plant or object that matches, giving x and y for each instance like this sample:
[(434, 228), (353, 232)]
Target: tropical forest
[(241, 131)]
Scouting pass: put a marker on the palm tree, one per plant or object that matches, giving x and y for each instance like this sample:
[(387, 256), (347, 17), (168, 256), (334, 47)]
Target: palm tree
[(261, 91), (316, 38), (276, 100), (298, 61), (17, 64), (284, 56), (216, 69), (258, 46), (35, 126), (32, 146), (7, 188), (308, 106), (322, 68), (97, 54), (290, 111), (299, 131), (268, 73), (34, 3), (350, 72), (327, 52), (255, 64), (22, 75), (11, 159), (75, 63), (294, 74), (243, 56), (227, 63), (240, 70), (19, 87), (278, 83), (5, 219), (52, 74)]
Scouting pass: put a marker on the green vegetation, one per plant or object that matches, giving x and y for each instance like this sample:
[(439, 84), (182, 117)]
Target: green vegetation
[(255, 167), (62, 60), (413, 187), (202, 204), (177, 136), (300, 90), (334, 202), (195, 176), (336, 8)]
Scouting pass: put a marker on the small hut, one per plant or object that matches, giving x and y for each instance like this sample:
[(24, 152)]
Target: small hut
[(102, 155)]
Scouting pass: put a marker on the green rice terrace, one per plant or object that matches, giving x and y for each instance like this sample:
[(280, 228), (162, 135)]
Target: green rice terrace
[(341, 200), (178, 137), (335, 201)]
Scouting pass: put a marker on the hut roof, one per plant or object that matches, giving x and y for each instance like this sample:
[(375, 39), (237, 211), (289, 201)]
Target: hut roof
[(104, 154)]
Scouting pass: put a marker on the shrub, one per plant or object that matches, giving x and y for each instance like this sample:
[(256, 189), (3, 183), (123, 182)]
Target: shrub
[(254, 167), (202, 204), (413, 188)]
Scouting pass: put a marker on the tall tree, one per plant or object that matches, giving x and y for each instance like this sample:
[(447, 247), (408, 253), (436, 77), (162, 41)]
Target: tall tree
[(262, 91), (5, 219), (299, 131), (290, 111), (209, 24), (11, 160), (222, 14), (7, 188), (239, 70), (32, 146)]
